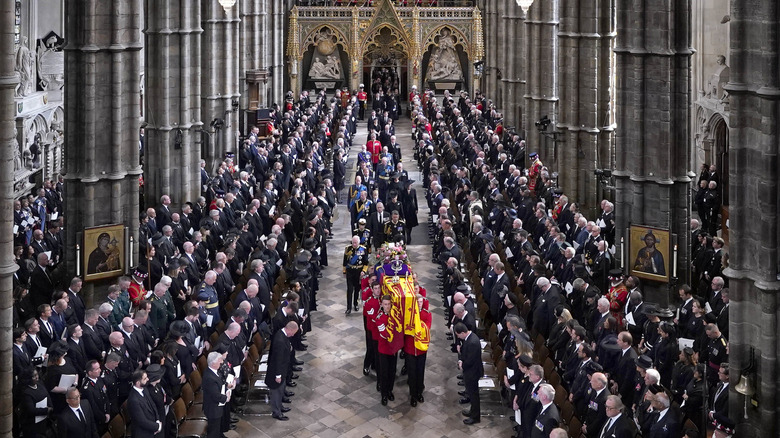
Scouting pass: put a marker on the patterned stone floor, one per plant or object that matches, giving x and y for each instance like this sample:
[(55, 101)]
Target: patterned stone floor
[(333, 398)]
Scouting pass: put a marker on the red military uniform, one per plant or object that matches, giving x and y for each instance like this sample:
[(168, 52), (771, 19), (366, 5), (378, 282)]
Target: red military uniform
[(618, 296), (533, 173), (375, 147), (136, 291), (362, 98), (344, 98)]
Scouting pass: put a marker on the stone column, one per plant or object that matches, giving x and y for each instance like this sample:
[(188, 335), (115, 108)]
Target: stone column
[(754, 234), (653, 99), (542, 86), (491, 49), (8, 81), (275, 46), (585, 70), (173, 86), (219, 78), (515, 65), (102, 118)]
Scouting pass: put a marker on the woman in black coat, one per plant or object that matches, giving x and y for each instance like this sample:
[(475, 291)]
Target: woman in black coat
[(339, 173), (31, 393), (665, 352), (409, 202)]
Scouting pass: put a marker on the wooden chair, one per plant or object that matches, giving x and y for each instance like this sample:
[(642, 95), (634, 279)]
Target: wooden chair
[(555, 380), (575, 427), (187, 428), (567, 411), (560, 394), (194, 411), (548, 368), (116, 427), (203, 363), (229, 308), (195, 381)]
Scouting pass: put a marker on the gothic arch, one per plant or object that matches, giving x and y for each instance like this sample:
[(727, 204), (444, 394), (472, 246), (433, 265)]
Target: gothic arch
[(311, 37), (717, 150), (460, 38), (372, 43)]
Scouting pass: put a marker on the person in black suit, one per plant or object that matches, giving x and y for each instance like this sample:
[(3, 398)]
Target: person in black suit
[(77, 421), (215, 395), (548, 418), (22, 359), (94, 391), (618, 424), (376, 223), (543, 311), (76, 349), (471, 364), (719, 403), (666, 423), (595, 414), (622, 381), (144, 421), (91, 339), (41, 285), (499, 290), (278, 366), (74, 300), (47, 333)]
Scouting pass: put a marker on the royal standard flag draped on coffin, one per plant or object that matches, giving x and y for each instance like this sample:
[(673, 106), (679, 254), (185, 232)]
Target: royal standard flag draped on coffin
[(405, 317)]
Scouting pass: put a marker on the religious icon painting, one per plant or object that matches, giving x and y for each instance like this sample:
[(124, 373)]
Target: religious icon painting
[(649, 253), (103, 252)]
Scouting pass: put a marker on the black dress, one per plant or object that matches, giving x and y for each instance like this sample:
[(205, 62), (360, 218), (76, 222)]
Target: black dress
[(53, 374), (409, 200), (30, 396)]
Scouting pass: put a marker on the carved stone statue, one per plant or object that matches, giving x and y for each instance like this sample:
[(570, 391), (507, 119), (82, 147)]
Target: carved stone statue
[(18, 161), (51, 64), (444, 63), (326, 62), (718, 79), (25, 66)]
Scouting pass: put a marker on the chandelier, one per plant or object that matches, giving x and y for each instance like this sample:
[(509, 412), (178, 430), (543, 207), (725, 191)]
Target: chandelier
[(227, 4), (524, 4)]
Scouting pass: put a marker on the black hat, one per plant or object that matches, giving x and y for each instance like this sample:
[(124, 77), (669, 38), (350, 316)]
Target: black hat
[(140, 272), (173, 264), (157, 238), (463, 288), (512, 213), (395, 175), (525, 360), (221, 348), (615, 274), (309, 244), (154, 372), (654, 310), (311, 217), (593, 367), (644, 362), (408, 183), (655, 389), (220, 193), (302, 275)]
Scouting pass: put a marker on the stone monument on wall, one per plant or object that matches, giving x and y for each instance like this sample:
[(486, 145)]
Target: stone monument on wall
[(325, 69), (25, 67), (444, 65)]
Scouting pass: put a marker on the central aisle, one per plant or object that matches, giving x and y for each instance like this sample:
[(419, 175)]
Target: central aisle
[(333, 397)]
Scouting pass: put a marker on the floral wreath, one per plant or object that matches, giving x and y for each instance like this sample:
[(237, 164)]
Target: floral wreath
[(390, 252)]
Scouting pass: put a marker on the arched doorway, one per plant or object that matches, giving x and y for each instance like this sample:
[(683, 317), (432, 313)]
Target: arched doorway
[(386, 62), (717, 152)]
